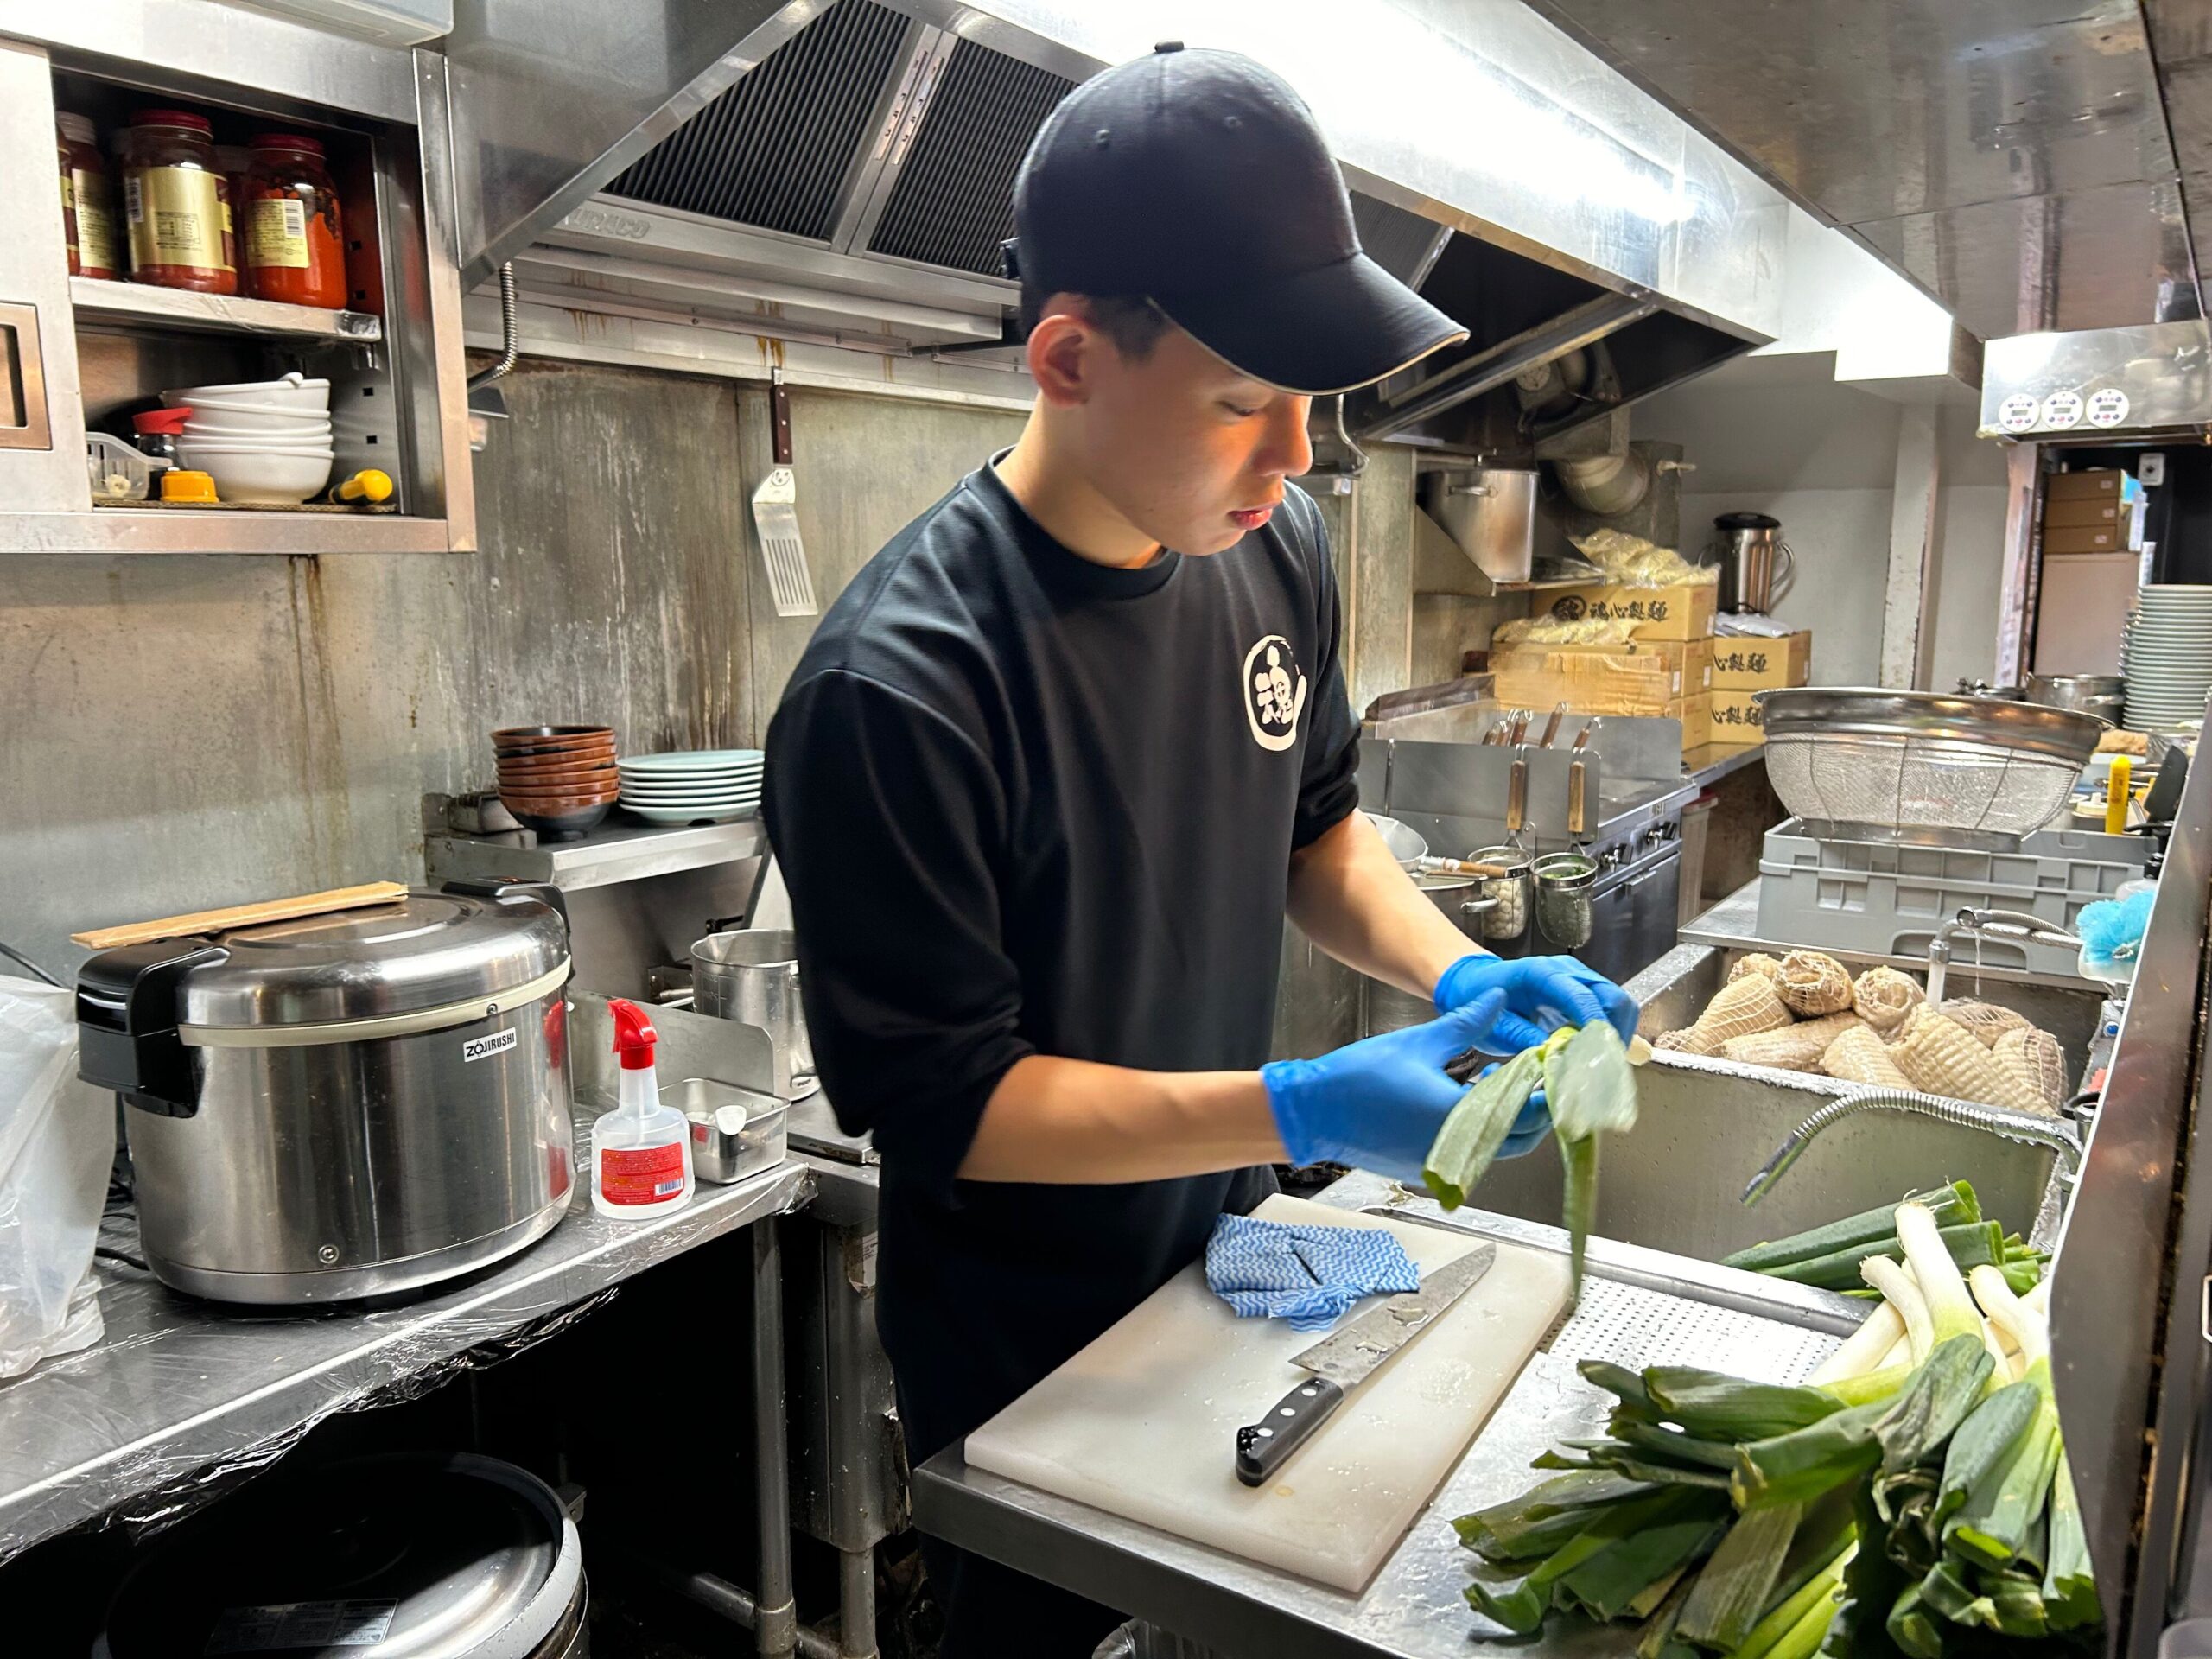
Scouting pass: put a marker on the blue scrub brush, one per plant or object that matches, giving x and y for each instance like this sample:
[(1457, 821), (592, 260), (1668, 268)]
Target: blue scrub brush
[(2112, 929)]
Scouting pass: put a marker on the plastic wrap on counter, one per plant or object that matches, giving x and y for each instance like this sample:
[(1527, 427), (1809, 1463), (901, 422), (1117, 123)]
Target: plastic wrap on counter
[(182, 1400)]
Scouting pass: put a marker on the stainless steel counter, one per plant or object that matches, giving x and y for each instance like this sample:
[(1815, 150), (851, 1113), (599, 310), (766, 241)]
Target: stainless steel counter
[(1734, 925), (1708, 763), (1639, 1307), (179, 1392)]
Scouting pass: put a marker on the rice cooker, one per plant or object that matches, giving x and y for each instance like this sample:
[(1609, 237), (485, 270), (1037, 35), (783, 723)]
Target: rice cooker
[(356, 1104), (410, 1556)]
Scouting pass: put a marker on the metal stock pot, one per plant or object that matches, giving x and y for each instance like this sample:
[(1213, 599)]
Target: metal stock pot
[(350, 1104)]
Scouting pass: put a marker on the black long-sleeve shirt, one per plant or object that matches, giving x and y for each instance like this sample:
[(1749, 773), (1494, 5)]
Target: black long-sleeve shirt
[(1027, 804)]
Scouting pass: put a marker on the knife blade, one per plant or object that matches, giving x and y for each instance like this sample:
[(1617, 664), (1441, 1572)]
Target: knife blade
[(1346, 1358)]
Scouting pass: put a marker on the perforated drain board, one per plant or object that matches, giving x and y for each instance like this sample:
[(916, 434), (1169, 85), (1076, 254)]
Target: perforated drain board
[(1635, 1327)]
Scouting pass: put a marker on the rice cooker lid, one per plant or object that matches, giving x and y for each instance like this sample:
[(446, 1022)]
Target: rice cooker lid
[(425, 951), (416, 1556)]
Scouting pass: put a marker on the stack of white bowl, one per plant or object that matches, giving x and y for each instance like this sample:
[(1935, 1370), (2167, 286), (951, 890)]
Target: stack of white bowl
[(261, 441)]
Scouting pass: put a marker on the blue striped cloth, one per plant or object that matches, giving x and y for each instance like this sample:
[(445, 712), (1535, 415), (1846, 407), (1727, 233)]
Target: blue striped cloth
[(1308, 1275)]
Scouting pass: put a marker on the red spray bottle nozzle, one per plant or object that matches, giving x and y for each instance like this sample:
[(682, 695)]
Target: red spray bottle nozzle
[(634, 1034)]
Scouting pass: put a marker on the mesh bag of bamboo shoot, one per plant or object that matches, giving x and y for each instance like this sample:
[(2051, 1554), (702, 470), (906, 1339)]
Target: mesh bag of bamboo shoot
[(1859, 1055), (1986, 1021), (1756, 962), (1812, 983), (1942, 1057), (1883, 997), (1792, 1048), (1743, 1008), (2034, 1057)]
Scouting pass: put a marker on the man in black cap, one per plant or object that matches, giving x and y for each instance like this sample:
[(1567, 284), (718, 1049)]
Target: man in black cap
[(1060, 760)]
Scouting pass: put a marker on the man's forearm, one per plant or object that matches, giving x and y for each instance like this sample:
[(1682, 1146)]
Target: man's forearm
[(1061, 1121), (1349, 896)]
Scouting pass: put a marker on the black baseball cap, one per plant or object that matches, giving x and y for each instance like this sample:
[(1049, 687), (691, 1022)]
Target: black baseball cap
[(1199, 180)]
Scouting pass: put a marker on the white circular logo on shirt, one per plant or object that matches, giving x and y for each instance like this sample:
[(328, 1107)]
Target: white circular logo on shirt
[(1274, 690)]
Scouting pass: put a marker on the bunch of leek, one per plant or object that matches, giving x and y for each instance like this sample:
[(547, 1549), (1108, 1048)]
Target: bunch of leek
[(1828, 1257), (1731, 1517), (1589, 1085)]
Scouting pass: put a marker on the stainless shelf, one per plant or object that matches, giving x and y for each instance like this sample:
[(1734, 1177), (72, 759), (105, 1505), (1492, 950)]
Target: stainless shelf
[(178, 1389), (158, 530), (95, 301), (615, 854)]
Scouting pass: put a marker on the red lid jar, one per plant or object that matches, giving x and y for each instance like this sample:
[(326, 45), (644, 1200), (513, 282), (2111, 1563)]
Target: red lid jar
[(295, 243), (176, 207)]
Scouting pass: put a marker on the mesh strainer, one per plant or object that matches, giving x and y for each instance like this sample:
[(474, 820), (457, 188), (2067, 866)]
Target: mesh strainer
[(1901, 763)]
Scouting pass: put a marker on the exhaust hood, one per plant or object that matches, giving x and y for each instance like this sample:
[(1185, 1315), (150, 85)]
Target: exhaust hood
[(842, 170)]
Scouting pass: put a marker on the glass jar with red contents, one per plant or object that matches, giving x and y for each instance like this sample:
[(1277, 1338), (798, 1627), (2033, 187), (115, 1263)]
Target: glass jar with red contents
[(295, 246), (90, 194), (176, 209)]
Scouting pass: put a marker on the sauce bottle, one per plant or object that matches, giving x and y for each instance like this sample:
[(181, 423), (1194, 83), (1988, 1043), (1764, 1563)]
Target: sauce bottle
[(176, 206)]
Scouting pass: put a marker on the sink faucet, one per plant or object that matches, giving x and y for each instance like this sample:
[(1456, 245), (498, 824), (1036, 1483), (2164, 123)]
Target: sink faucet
[(1988, 924), (2060, 1140)]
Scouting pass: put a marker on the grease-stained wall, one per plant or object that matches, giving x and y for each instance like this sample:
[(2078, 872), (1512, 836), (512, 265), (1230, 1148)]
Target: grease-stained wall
[(183, 732)]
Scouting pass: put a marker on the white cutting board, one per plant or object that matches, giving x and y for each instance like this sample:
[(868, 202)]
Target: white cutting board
[(1143, 1423)]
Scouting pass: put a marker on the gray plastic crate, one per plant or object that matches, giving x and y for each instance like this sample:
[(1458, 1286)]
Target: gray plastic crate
[(1882, 898)]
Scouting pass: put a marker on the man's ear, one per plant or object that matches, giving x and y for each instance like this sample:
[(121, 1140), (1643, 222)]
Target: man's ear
[(1063, 349)]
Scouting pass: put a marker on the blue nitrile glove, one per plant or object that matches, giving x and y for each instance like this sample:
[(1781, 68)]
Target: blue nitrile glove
[(1531, 1127), (1541, 994), (1377, 1103)]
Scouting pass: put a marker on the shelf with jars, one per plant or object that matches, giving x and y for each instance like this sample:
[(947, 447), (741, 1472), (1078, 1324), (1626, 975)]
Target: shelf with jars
[(235, 240)]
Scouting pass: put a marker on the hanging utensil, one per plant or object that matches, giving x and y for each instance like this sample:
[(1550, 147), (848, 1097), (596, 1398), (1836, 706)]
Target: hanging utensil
[(1516, 798), (1551, 726), (775, 514), (1520, 719), (1578, 813)]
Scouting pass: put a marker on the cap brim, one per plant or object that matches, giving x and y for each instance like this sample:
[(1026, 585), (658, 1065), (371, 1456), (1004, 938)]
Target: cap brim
[(1331, 330)]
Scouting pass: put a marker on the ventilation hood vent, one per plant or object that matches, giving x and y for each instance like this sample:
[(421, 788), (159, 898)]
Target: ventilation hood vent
[(844, 173)]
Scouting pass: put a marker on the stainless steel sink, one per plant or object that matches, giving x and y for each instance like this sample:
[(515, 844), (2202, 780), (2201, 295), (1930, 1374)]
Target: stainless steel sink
[(1706, 1126)]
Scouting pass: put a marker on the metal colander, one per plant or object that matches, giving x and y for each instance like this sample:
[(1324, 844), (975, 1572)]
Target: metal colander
[(1907, 763)]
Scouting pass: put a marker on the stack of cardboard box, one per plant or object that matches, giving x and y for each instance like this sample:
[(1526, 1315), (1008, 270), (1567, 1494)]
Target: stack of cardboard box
[(2092, 563), (1673, 667)]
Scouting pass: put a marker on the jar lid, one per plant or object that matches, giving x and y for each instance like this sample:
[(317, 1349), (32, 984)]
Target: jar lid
[(167, 421), (184, 118), (424, 950), (77, 129), (187, 484), (285, 141)]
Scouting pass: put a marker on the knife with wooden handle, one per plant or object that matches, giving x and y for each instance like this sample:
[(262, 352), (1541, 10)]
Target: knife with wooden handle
[(1347, 1356)]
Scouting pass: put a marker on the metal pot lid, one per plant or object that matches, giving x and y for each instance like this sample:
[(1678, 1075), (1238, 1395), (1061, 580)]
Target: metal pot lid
[(406, 1557), (425, 950)]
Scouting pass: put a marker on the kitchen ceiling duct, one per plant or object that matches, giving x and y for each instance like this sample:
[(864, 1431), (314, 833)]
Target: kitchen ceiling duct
[(2011, 157)]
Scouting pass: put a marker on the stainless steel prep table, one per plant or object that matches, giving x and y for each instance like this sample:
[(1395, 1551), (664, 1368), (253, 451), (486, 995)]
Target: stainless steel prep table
[(178, 1389), (1639, 1307)]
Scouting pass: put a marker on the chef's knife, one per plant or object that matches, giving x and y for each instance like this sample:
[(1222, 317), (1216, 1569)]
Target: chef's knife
[(1345, 1357)]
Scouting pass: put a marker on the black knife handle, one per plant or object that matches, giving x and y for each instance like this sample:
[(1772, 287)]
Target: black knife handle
[(1264, 1446)]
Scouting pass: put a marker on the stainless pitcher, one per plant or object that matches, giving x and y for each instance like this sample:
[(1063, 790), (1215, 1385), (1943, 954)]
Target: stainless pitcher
[(751, 975), (1756, 563)]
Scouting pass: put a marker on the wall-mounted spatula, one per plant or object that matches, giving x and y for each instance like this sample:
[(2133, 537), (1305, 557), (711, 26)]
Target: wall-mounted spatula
[(775, 514)]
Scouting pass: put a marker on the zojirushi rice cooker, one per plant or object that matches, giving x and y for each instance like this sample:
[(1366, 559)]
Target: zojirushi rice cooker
[(350, 1104), (413, 1556)]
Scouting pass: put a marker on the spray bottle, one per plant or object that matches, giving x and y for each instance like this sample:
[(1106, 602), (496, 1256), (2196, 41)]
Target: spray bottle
[(641, 1151)]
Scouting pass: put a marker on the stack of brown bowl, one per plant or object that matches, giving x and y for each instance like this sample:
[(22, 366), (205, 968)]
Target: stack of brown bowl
[(559, 780)]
